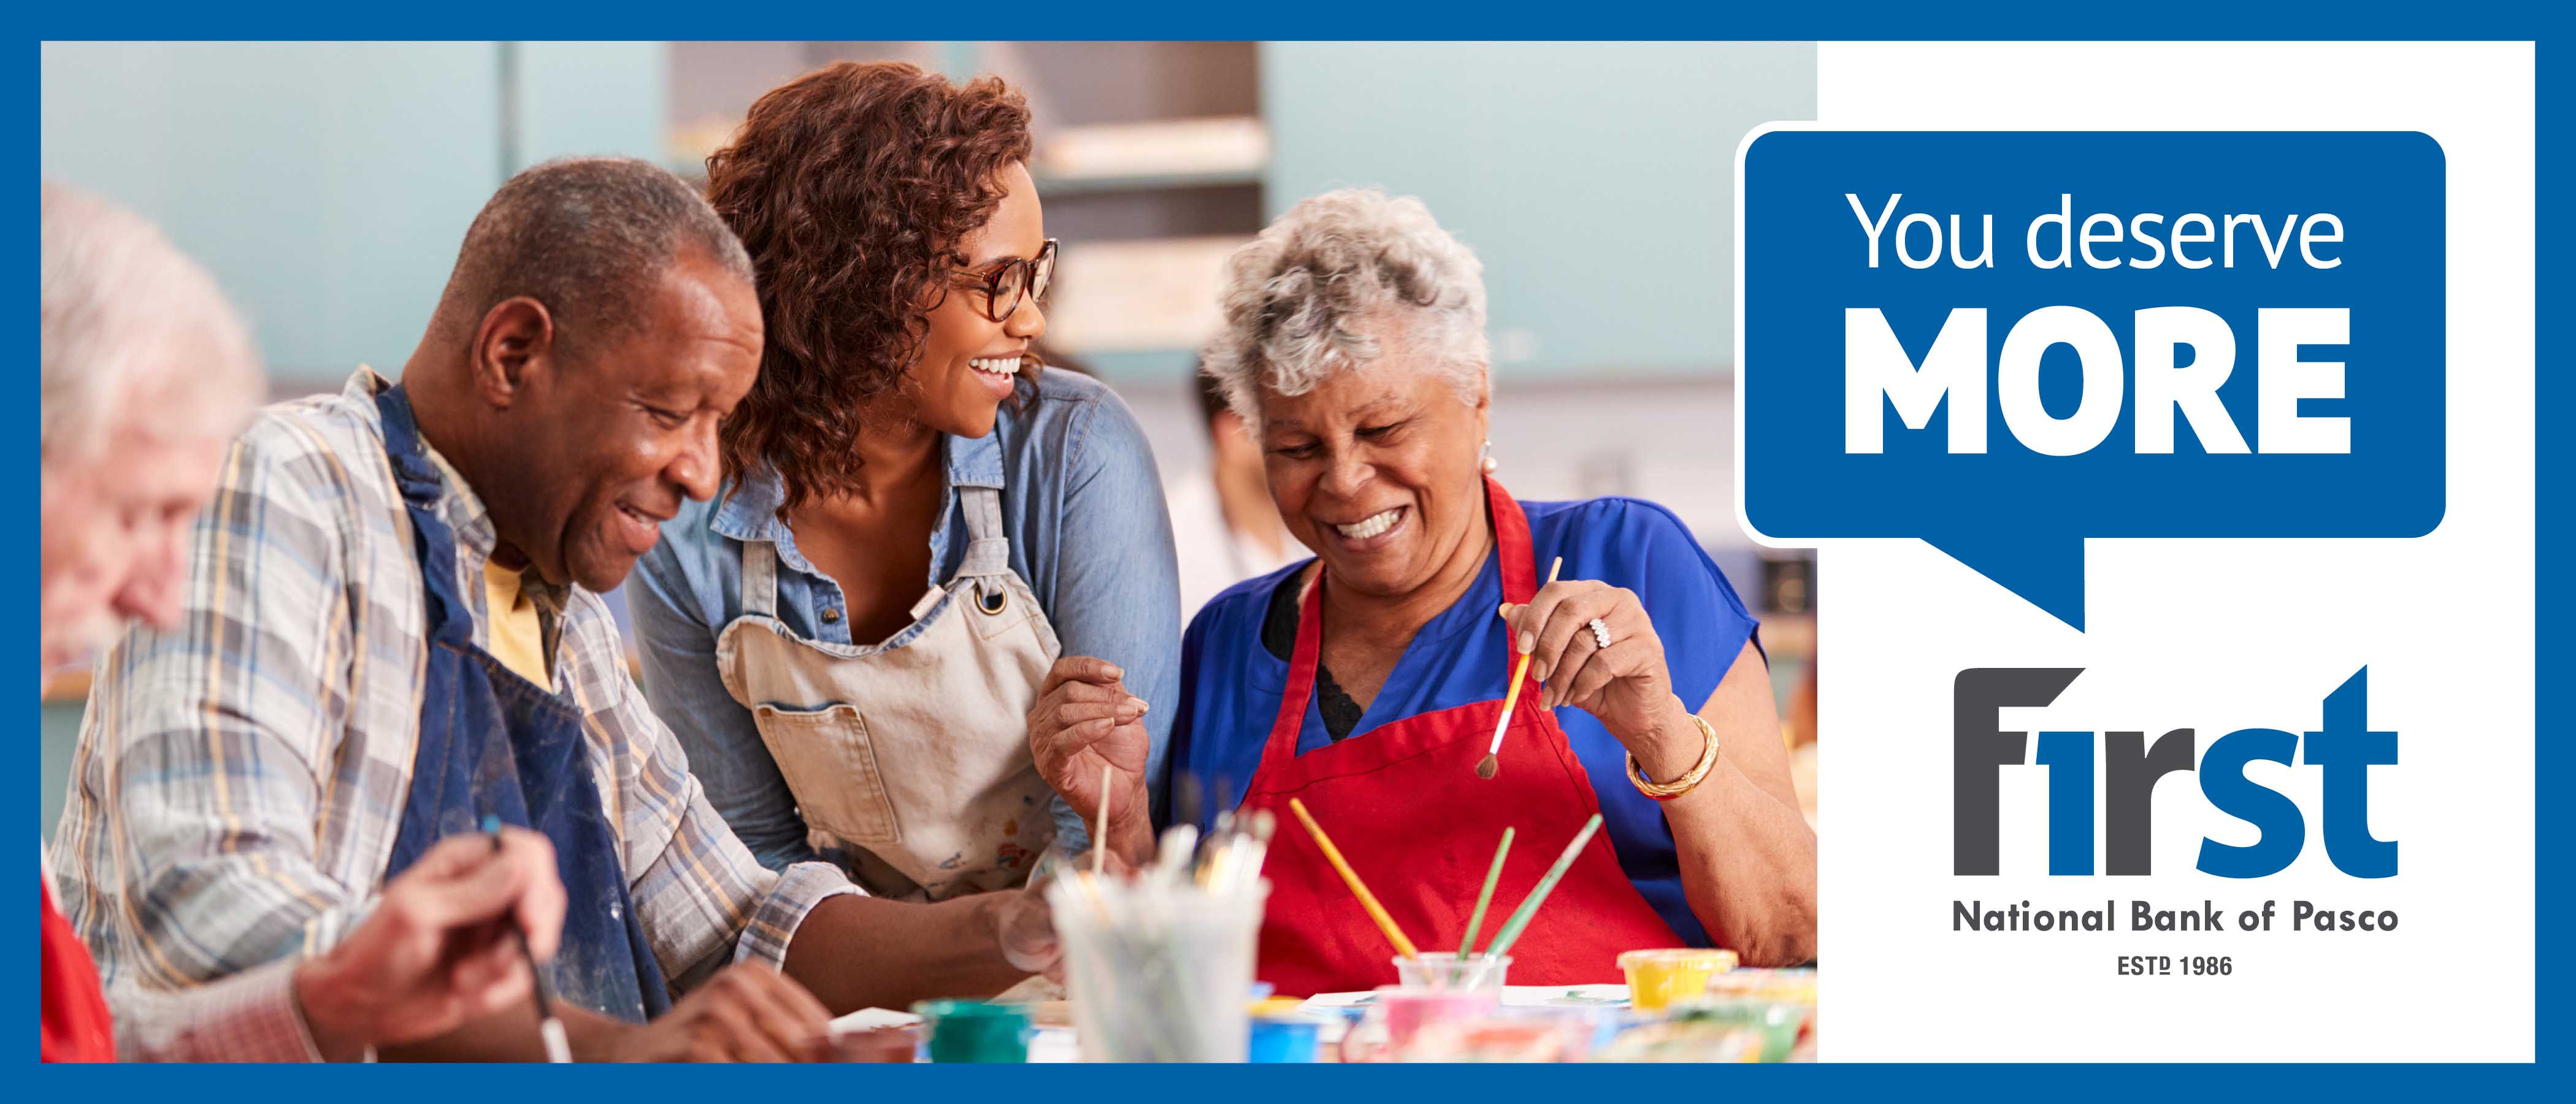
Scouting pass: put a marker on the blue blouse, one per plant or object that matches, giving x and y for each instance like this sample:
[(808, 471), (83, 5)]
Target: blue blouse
[(1231, 685), (1084, 509)]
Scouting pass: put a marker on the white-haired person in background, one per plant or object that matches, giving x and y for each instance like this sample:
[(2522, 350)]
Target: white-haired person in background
[(1224, 529), (1370, 680), (146, 376)]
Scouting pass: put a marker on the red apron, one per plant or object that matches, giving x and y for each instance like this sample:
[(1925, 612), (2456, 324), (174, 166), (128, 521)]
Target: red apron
[(72, 1024), (1405, 806)]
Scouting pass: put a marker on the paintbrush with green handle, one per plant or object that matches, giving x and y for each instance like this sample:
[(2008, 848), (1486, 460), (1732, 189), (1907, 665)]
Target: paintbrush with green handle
[(1521, 916), (1476, 919)]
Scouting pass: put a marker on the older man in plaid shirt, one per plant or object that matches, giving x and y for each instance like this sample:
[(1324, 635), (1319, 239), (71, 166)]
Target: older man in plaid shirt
[(392, 627), (146, 375)]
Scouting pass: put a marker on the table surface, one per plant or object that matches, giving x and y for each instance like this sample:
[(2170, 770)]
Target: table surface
[(1332, 1012)]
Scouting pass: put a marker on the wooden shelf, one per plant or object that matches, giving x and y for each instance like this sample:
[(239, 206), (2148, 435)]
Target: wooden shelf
[(1154, 182)]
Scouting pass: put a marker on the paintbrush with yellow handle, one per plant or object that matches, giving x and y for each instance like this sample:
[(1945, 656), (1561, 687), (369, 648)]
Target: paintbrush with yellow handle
[(1351, 878), (1492, 763)]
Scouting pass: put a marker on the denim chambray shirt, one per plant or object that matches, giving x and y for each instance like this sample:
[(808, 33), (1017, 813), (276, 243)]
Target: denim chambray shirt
[(1083, 506)]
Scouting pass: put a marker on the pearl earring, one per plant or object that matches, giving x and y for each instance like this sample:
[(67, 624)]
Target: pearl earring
[(1485, 459)]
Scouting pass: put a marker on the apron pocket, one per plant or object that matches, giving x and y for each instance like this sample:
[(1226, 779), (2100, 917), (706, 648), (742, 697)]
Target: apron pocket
[(832, 768)]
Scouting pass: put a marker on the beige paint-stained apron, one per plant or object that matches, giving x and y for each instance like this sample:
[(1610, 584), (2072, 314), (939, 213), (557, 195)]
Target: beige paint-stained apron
[(910, 758)]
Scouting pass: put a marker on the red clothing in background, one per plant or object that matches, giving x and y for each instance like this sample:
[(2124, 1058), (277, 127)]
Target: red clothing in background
[(75, 1027)]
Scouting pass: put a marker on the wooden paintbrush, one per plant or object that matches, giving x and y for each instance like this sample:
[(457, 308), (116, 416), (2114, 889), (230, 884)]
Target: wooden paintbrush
[(1351, 878), (1100, 835), (1492, 763)]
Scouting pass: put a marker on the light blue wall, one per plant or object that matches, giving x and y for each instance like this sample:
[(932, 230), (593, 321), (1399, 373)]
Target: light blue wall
[(1596, 180), (58, 734), (327, 185), (591, 98)]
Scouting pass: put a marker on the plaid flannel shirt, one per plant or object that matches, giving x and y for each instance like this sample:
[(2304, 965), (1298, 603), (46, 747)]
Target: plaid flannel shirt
[(240, 779)]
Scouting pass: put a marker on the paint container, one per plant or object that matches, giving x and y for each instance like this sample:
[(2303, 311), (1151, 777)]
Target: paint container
[(1796, 986), (1278, 1040), (1656, 978), (1397, 1015), (974, 1031), (1157, 972), (1508, 1035), (1445, 970), (1677, 1040), (1775, 1023)]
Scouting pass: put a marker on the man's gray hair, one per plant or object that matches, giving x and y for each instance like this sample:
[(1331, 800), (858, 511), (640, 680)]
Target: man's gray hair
[(589, 237), (129, 328), (1295, 298)]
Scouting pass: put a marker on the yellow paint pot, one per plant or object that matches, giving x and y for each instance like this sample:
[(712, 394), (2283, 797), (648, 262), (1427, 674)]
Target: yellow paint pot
[(1658, 977)]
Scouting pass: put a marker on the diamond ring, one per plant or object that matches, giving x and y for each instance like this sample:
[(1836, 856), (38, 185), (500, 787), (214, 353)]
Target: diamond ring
[(1600, 633)]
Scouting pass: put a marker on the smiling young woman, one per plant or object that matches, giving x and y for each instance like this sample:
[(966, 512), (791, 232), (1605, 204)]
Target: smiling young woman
[(928, 552)]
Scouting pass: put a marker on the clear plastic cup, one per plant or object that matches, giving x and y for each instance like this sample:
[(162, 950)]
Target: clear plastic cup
[(1396, 1014), (1507, 1035), (1157, 974), (1445, 970)]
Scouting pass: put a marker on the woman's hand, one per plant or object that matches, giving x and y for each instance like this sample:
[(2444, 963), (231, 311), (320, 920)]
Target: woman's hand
[(437, 951), (1086, 720), (1625, 685)]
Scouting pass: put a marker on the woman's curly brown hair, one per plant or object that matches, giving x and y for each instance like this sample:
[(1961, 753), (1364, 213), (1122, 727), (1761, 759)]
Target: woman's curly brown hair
[(851, 186)]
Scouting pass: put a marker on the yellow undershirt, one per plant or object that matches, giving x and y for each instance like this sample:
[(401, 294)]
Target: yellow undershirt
[(518, 638)]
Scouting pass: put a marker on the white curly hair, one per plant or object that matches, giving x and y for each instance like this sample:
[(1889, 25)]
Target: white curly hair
[(131, 332), (1297, 298)]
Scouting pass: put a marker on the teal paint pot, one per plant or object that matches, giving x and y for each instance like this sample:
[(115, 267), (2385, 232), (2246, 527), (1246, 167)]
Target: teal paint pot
[(974, 1031)]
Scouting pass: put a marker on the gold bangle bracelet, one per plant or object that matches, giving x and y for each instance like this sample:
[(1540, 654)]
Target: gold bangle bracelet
[(1690, 779)]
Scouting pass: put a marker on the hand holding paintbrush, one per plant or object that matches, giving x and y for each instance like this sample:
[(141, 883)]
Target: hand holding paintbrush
[(1492, 763), (1593, 646), (1088, 740), (550, 1030), (437, 949)]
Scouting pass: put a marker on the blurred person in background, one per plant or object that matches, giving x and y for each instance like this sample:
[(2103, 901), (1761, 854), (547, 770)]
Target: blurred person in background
[(928, 555), (392, 629), (1224, 528), (145, 375), (1369, 681)]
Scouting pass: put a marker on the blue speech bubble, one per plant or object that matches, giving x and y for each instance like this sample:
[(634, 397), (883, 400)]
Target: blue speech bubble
[(2052, 454)]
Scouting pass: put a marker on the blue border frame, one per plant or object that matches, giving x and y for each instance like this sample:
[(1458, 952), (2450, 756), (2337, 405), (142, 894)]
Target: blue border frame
[(1449, 19)]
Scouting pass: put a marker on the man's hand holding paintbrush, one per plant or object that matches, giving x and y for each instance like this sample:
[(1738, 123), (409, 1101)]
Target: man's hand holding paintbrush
[(437, 951)]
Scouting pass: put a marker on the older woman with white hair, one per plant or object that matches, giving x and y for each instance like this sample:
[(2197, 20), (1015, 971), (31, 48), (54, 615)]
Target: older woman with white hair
[(1371, 680)]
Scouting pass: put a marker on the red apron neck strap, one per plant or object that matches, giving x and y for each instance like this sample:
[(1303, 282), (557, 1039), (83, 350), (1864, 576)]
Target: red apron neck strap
[(1512, 542), (1520, 584), (1303, 662)]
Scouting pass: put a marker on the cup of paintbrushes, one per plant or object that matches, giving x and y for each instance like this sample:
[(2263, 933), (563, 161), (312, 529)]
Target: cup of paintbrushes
[(1445, 970), (1156, 969)]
